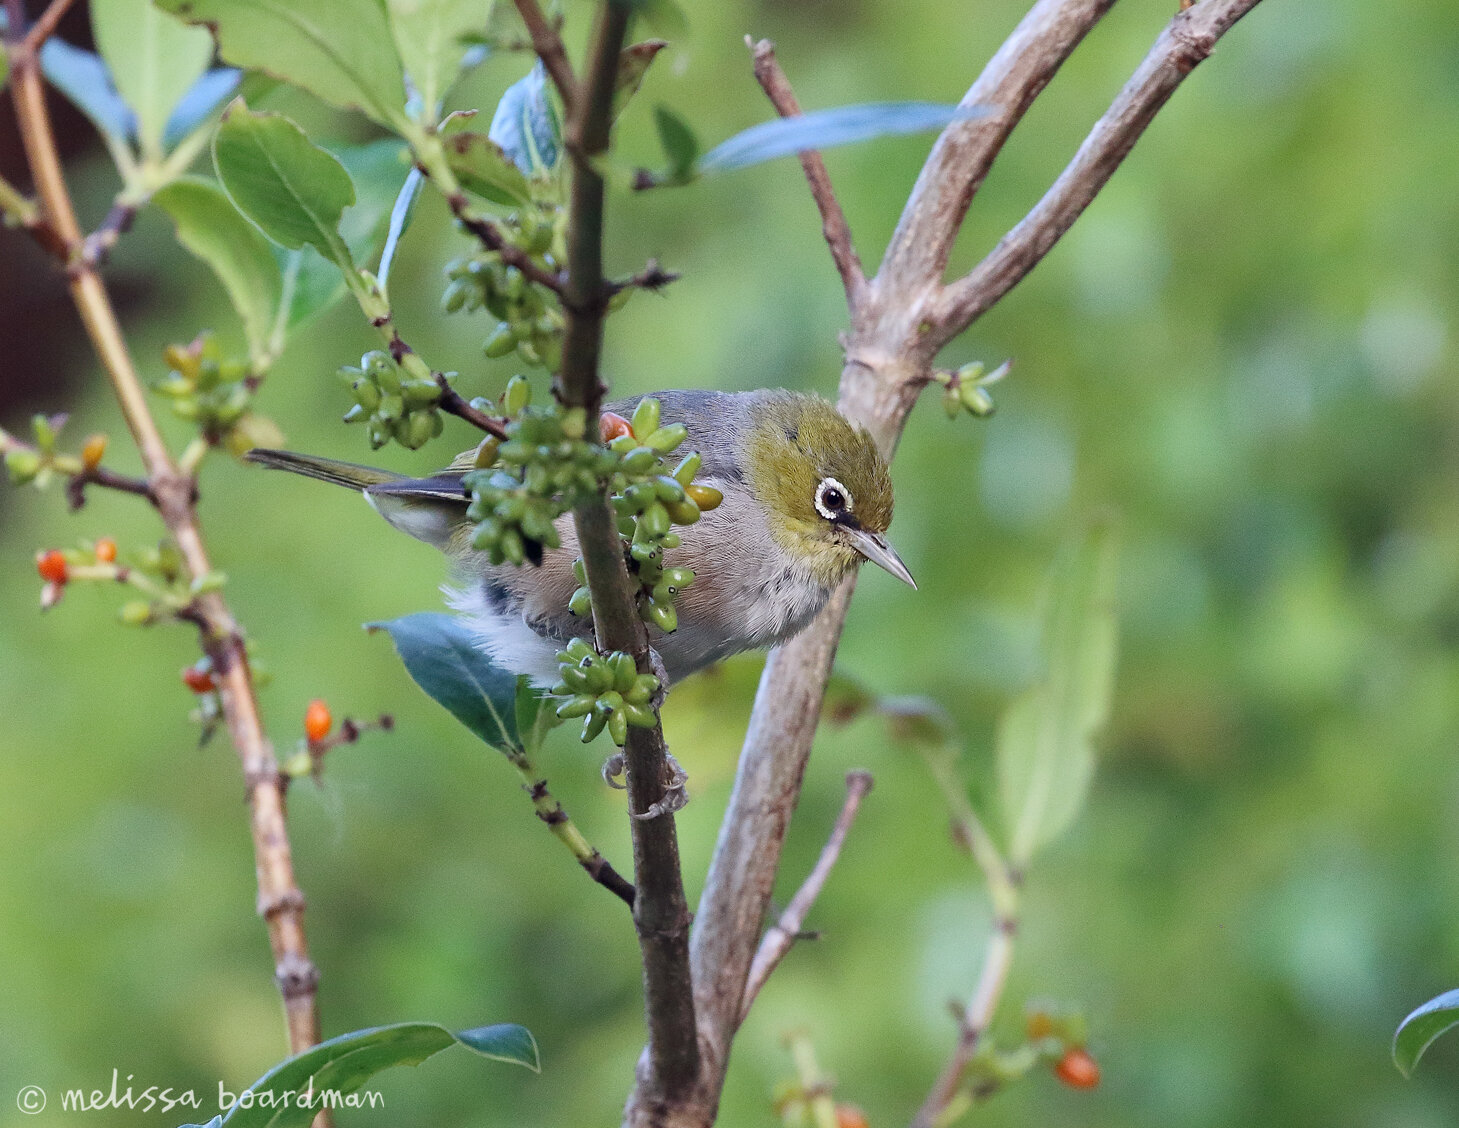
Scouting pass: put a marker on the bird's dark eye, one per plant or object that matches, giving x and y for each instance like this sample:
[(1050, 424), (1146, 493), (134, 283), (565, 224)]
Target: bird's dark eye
[(833, 500)]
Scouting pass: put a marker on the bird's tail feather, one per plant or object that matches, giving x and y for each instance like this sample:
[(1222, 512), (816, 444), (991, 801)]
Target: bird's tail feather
[(331, 470)]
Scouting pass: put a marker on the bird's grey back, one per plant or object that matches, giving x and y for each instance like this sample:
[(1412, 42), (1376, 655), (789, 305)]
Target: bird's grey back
[(717, 424)]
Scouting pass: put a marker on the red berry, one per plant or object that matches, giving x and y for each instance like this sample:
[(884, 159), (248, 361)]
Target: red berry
[(610, 426), (849, 1116), (1077, 1069), (199, 681), (317, 721), (52, 566), (106, 550)]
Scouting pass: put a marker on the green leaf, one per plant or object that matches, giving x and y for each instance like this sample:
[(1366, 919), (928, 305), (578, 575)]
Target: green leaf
[(633, 64), (428, 34), (210, 227), (341, 51), (680, 145), (441, 654), (153, 59), (294, 190), (291, 1094), (526, 125), (4, 69), (484, 168), (83, 78), (1417, 1032), (1045, 739), (825, 129)]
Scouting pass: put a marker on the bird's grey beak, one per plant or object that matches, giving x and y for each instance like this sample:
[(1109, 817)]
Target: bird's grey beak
[(875, 548)]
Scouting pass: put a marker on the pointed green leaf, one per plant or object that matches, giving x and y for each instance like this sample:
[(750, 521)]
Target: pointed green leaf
[(441, 655), (428, 34), (504, 1042), (1417, 1032), (153, 59), (484, 168), (341, 51), (681, 147), (1045, 740), (294, 190), (526, 125), (83, 78), (4, 69), (633, 64), (291, 1094), (825, 129), (210, 227)]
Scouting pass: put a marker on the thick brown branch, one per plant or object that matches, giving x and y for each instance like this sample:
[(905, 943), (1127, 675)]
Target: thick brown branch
[(1013, 78), (781, 936), (834, 228), (548, 45), (670, 1070), (1188, 40), (279, 900)]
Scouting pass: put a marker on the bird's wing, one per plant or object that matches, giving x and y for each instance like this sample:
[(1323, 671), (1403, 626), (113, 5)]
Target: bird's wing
[(716, 422)]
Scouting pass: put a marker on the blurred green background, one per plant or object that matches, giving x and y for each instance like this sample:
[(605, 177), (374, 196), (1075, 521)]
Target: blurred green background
[(1245, 345)]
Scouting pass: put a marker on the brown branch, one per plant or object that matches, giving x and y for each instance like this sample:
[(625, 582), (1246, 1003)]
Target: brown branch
[(279, 901), (917, 254), (781, 936), (548, 45), (490, 236), (109, 479), (834, 228), (1186, 42), (888, 357), (452, 403), (45, 27), (652, 277), (670, 1068)]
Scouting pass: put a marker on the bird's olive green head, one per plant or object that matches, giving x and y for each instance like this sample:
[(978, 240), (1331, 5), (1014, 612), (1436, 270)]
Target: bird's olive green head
[(824, 484)]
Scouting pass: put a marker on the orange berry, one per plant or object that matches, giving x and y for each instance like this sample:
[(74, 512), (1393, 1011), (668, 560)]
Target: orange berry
[(849, 1116), (52, 566), (317, 721), (93, 450), (611, 425), (706, 497), (1077, 1069), (106, 550), (199, 681)]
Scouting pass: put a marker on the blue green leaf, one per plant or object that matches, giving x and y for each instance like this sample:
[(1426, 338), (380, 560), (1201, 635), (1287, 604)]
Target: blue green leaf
[(441, 654), (1417, 1032), (203, 97), (292, 1093), (400, 216), (526, 125), (84, 79), (824, 129)]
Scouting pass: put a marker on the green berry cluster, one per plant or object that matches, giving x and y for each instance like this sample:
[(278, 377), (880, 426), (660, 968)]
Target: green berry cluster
[(967, 389), (529, 319), (648, 503), (392, 404), (545, 466), (606, 690), (215, 393)]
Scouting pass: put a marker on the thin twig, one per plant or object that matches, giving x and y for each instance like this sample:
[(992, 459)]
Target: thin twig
[(548, 45), (96, 246), (834, 228), (652, 277), (45, 27), (1186, 42), (490, 236), (453, 403), (109, 479), (280, 902), (781, 936)]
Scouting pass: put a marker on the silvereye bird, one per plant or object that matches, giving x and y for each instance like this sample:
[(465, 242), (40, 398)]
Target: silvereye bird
[(807, 497)]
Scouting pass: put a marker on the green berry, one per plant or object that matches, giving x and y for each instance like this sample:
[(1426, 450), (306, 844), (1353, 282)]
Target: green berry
[(645, 419), (667, 438), (500, 342), (618, 727)]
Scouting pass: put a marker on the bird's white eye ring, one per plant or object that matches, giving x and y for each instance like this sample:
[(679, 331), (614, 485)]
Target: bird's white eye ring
[(833, 500)]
